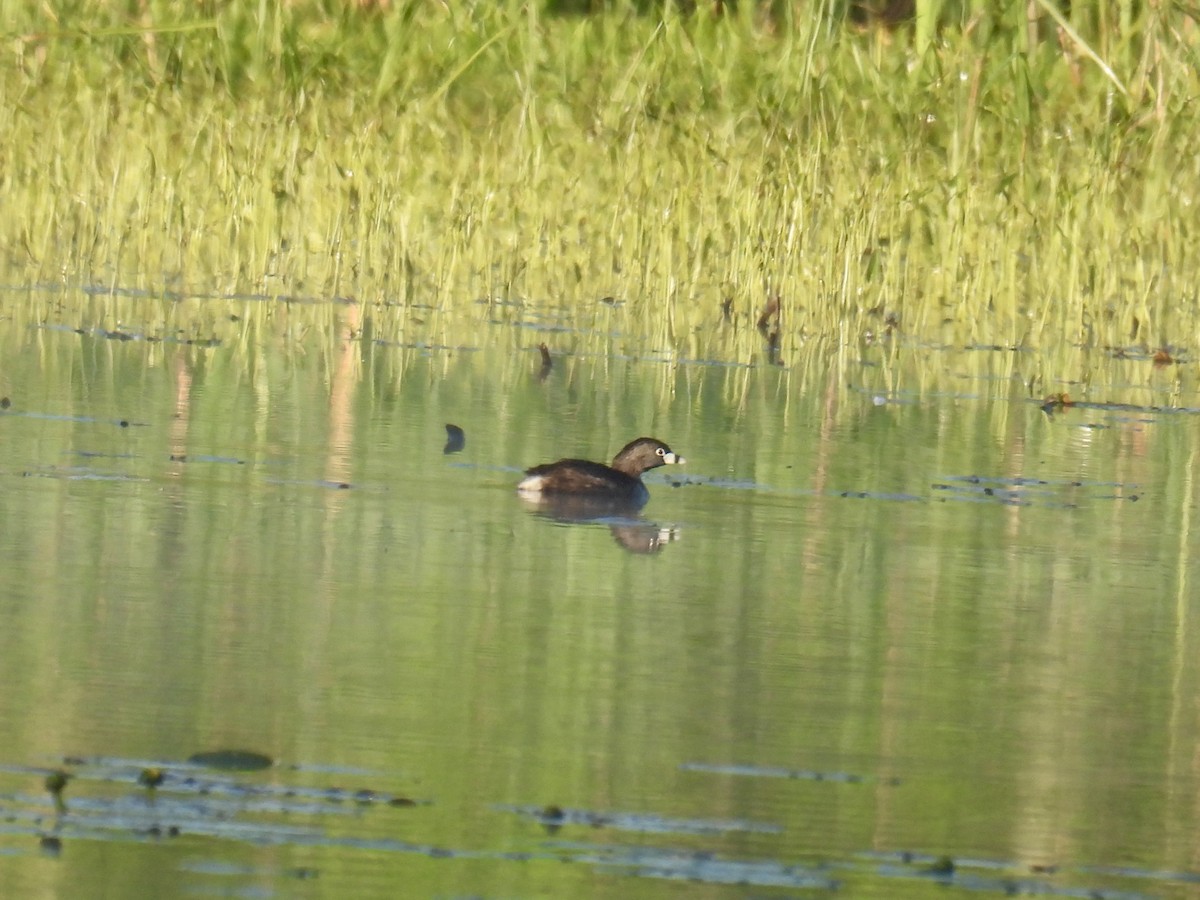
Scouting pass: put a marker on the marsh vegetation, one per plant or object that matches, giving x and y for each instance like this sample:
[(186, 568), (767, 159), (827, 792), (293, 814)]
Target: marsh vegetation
[(998, 180)]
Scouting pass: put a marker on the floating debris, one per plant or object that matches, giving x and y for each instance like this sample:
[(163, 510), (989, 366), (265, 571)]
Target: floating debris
[(554, 817), (1024, 491), (943, 865), (547, 362), (708, 868), (56, 783), (231, 760), (1056, 403), (456, 439), (751, 771), (771, 310)]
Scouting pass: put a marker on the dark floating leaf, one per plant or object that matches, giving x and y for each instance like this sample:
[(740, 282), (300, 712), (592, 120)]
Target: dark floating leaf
[(50, 845), (456, 439), (5, 403), (231, 760)]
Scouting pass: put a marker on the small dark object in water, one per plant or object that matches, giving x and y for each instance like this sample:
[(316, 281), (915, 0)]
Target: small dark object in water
[(1056, 402), (50, 845), (943, 865), (1162, 357), (56, 783), (620, 482), (553, 818), (366, 795), (172, 831), (342, 486), (124, 423), (151, 778), (547, 362), (5, 403), (727, 309), (178, 457), (773, 348), (456, 439), (769, 311), (245, 760), (402, 801)]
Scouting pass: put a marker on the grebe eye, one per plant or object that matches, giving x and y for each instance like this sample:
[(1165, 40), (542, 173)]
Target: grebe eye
[(660, 451)]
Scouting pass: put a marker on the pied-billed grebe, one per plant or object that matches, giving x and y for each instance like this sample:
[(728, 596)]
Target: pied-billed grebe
[(621, 482)]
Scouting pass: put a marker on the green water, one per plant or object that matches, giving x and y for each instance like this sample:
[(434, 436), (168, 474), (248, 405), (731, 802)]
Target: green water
[(897, 613)]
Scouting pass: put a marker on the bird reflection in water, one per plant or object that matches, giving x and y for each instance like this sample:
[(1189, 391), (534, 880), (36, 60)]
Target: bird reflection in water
[(623, 519)]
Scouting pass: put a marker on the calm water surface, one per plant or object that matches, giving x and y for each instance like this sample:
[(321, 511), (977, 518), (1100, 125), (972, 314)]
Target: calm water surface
[(889, 633)]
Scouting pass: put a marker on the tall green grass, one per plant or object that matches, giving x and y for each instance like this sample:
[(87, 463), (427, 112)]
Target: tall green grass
[(976, 174)]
